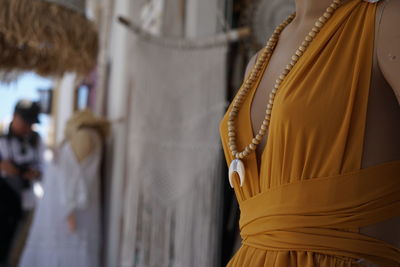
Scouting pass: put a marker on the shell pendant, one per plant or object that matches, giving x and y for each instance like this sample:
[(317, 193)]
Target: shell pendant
[(238, 167)]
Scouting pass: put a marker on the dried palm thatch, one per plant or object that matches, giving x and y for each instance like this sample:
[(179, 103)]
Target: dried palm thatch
[(45, 37)]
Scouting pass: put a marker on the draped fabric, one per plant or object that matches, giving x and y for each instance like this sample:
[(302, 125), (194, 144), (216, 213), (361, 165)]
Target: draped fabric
[(173, 188), (304, 204)]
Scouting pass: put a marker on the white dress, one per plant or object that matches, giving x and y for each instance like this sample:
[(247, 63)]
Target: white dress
[(69, 186)]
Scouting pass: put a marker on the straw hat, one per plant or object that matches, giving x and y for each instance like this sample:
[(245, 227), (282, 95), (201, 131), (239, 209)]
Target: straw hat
[(86, 119)]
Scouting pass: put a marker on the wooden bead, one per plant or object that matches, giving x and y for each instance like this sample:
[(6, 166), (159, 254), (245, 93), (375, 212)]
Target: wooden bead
[(278, 81), (272, 96), (315, 29), (245, 89), (312, 34), (295, 58), (308, 38), (323, 19), (252, 79), (334, 6), (263, 57), (327, 15), (255, 141), (285, 71), (259, 137), (273, 40), (239, 98), (252, 146), (275, 36), (235, 106), (305, 43), (329, 10), (274, 91), (299, 53), (337, 1), (231, 134), (318, 24), (263, 130)]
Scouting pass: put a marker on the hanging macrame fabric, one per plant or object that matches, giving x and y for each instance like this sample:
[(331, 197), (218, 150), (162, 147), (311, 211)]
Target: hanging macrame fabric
[(49, 37), (173, 190)]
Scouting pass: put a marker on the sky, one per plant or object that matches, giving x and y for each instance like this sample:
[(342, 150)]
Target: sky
[(24, 88)]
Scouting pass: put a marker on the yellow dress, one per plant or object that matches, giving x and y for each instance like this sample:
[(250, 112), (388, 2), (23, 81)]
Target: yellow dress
[(311, 196)]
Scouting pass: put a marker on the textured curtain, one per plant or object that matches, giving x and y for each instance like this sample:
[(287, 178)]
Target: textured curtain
[(173, 191)]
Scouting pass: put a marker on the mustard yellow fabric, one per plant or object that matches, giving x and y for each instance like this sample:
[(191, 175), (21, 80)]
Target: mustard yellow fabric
[(304, 205)]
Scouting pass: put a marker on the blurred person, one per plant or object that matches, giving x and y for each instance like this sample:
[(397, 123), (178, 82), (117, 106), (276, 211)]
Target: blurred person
[(66, 226), (21, 157)]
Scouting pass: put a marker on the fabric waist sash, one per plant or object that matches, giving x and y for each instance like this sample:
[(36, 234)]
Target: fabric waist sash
[(316, 214)]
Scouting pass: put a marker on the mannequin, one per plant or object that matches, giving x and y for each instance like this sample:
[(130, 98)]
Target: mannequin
[(382, 132), (82, 145), (77, 133), (66, 228)]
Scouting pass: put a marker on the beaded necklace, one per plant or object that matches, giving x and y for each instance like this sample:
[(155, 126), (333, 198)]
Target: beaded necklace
[(237, 164)]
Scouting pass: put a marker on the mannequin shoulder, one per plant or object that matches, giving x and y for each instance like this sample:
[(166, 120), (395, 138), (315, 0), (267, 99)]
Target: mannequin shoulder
[(388, 44), (82, 144)]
